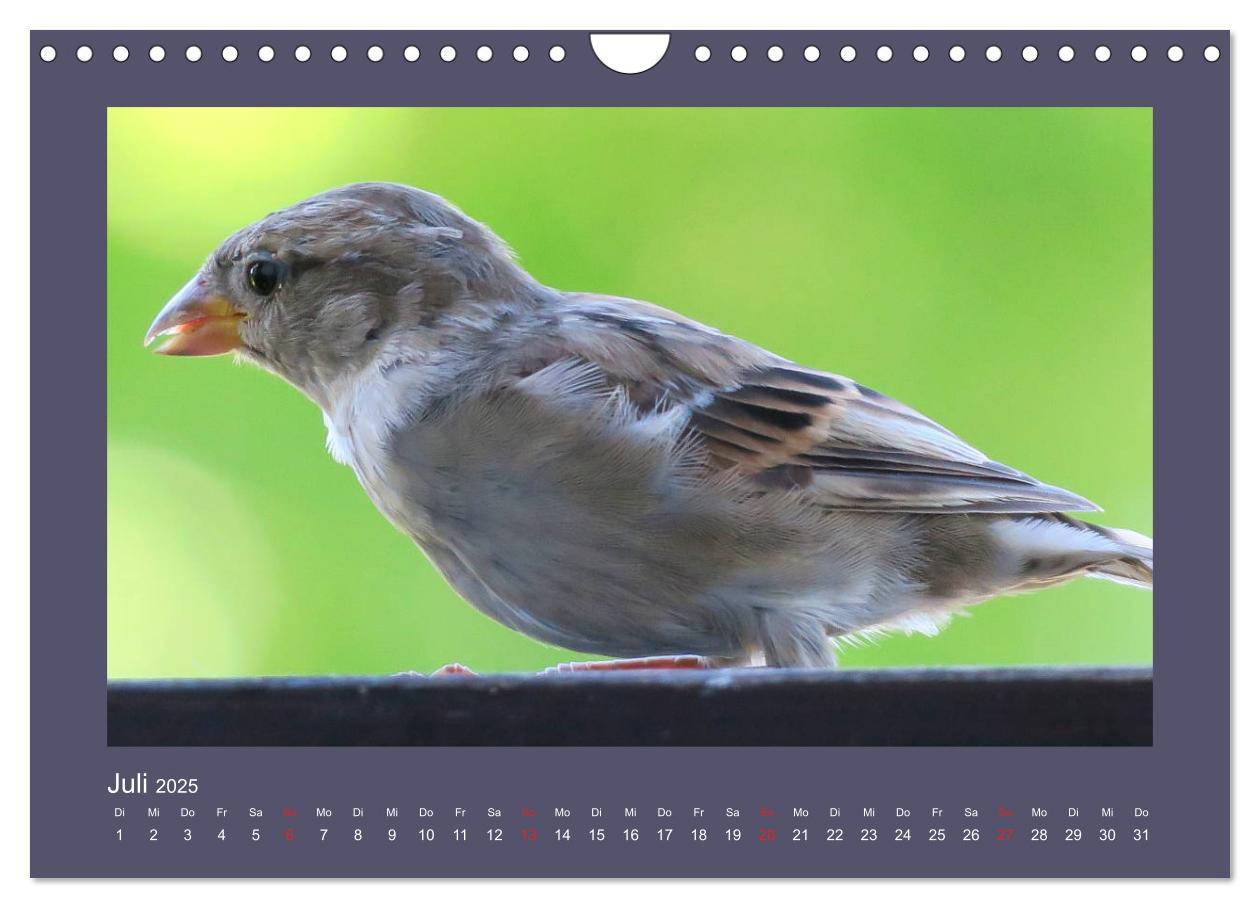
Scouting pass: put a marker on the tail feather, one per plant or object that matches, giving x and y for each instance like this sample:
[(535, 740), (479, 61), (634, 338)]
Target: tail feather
[(1052, 548), (1136, 566)]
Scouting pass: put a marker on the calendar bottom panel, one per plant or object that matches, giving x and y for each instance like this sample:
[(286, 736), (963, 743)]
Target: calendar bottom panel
[(631, 812)]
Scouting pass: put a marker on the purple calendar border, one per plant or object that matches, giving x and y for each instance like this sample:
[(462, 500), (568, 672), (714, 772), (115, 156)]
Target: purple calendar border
[(1184, 778)]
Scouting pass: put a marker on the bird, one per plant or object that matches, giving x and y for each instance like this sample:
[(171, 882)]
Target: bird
[(609, 476)]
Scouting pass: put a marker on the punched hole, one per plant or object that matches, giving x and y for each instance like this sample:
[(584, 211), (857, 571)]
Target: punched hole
[(625, 54)]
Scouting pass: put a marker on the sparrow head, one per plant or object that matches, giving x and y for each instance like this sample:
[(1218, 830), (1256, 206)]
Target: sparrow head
[(319, 289)]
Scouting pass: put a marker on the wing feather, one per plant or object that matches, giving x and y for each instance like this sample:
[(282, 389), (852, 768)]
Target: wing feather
[(853, 448), (844, 445)]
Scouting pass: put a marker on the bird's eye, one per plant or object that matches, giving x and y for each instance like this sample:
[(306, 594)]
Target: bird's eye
[(263, 276)]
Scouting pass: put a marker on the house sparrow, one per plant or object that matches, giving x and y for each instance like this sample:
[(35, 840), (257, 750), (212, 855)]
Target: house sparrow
[(607, 475)]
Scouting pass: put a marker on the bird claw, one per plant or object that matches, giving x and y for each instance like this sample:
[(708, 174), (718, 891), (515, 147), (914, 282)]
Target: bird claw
[(456, 669)]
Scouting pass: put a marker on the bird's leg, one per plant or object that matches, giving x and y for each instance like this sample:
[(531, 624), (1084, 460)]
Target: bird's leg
[(652, 662)]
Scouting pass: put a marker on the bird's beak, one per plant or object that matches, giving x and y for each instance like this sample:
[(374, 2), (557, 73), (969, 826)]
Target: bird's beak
[(196, 322)]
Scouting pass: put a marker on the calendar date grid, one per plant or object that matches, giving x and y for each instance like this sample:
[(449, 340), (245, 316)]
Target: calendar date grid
[(606, 826)]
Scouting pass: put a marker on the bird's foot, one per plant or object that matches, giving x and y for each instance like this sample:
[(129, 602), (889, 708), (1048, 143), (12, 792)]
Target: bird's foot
[(457, 669), (454, 668), (652, 662)]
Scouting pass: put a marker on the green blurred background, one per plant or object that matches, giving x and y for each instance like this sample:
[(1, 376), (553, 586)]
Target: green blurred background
[(991, 267)]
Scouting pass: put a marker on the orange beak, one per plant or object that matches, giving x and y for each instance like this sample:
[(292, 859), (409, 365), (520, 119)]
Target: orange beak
[(196, 322)]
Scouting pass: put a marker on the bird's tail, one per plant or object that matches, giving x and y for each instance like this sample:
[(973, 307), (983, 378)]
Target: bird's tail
[(1052, 548), (1135, 565)]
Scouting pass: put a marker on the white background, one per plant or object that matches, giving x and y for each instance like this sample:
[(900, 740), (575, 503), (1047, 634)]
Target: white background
[(622, 15)]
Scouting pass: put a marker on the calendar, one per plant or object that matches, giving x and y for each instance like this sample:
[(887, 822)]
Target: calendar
[(662, 454)]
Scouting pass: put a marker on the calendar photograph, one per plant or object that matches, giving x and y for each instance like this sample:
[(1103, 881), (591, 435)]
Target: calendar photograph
[(421, 404)]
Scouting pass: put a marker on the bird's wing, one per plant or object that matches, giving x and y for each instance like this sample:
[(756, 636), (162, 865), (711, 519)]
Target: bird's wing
[(784, 426)]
